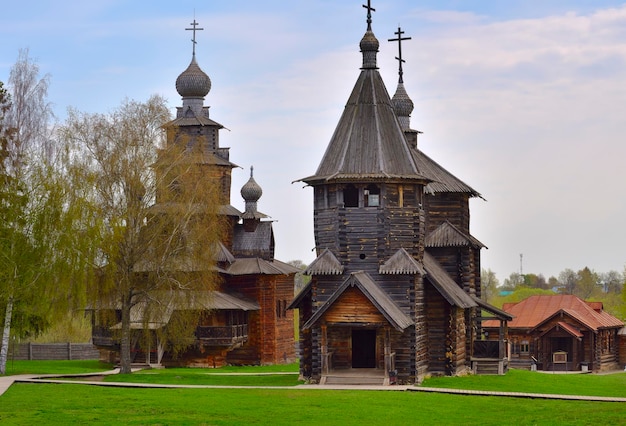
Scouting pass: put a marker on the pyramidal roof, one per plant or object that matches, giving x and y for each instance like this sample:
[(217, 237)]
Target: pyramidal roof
[(368, 142)]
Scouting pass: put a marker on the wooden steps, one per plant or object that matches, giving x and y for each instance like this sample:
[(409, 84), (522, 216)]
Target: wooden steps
[(355, 377)]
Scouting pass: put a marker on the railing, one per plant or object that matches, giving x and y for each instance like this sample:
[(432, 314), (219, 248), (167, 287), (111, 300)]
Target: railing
[(222, 335), (486, 349)]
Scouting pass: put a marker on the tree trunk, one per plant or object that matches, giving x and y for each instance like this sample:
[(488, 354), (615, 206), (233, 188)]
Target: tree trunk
[(125, 359), (4, 349)]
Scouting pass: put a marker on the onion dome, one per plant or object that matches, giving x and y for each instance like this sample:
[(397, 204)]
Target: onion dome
[(402, 105), (251, 191), (369, 47), (193, 82)]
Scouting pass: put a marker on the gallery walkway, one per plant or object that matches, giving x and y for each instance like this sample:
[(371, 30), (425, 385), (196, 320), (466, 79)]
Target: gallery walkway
[(7, 381)]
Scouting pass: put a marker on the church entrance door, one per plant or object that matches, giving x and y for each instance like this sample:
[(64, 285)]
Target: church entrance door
[(363, 348)]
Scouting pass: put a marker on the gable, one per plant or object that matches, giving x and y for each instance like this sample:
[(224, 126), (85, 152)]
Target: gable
[(376, 296), (353, 306)]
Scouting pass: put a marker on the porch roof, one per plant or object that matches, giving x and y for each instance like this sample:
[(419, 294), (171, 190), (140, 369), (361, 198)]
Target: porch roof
[(364, 282), (446, 285), (570, 329), (142, 315), (500, 314)]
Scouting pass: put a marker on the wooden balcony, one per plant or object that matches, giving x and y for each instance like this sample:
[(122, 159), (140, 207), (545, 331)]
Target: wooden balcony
[(227, 335), (223, 335)]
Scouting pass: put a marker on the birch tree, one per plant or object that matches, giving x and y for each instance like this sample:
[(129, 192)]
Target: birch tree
[(35, 251)]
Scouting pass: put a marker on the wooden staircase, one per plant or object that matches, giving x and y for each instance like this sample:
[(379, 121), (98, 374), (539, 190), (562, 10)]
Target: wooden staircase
[(355, 377)]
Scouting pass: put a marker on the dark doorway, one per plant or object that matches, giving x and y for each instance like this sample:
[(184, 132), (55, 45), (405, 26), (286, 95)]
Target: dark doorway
[(363, 348)]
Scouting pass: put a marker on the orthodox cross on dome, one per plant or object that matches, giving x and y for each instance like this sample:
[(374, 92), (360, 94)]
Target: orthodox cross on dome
[(194, 24), (399, 57), (370, 9)]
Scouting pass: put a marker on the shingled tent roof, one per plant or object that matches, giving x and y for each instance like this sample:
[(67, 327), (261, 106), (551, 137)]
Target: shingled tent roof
[(368, 142)]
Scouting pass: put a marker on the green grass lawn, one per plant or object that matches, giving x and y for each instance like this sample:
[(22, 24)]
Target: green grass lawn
[(535, 382), (55, 367), (220, 377), (79, 404)]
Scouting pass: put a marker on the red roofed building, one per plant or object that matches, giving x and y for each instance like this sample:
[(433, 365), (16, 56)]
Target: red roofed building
[(561, 332)]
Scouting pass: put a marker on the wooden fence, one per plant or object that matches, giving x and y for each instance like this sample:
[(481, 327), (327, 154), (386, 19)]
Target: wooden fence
[(53, 351)]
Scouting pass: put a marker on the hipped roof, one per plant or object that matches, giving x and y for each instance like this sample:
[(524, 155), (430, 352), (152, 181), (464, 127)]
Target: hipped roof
[(536, 309)]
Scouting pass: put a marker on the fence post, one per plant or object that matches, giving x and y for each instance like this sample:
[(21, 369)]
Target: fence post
[(30, 351), (69, 351)]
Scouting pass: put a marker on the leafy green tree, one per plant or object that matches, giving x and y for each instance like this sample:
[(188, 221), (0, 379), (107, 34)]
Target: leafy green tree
[(535, 281), (150, 257), (611, 282), (513, 281), (37, 269), (568, 279), (489, 285), (300, 280), (587, 285)]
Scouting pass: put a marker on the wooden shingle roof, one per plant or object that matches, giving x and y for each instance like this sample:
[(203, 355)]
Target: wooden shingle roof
[(448, 235), (257, 243), (401, 263), (325, 264), (258, 266), (442, 180), (445, 285), (368, 142)]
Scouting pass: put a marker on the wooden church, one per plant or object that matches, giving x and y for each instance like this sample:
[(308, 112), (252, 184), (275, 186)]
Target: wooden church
[(245, 320), (395, 288)]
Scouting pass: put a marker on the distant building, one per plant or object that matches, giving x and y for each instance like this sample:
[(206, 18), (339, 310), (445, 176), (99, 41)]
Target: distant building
[(246, 320), (562, 332), (395, 288)]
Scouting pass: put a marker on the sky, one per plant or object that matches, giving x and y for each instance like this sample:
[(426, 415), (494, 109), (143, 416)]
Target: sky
[(522, 100)]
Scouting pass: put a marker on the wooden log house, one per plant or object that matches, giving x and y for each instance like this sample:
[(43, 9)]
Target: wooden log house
[(245, 320), (395, 289), (562, 333)]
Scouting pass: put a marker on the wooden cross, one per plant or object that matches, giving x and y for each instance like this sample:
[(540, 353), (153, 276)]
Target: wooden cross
[(399, 57), (370, 9), (194, 24)]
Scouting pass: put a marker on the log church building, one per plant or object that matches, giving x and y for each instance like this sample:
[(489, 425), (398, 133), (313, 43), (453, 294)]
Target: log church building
[(245, 319), (395, 288)]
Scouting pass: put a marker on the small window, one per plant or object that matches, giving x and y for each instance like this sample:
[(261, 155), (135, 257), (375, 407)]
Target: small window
[(524, 347), (372, 196), (351, 196)]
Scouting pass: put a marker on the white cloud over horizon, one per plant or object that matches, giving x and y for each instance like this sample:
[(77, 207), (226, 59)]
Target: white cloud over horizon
[(524, 107)]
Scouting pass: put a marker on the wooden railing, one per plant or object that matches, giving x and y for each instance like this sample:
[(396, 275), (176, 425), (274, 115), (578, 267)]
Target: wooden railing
[(223, 334), (487, 349)]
